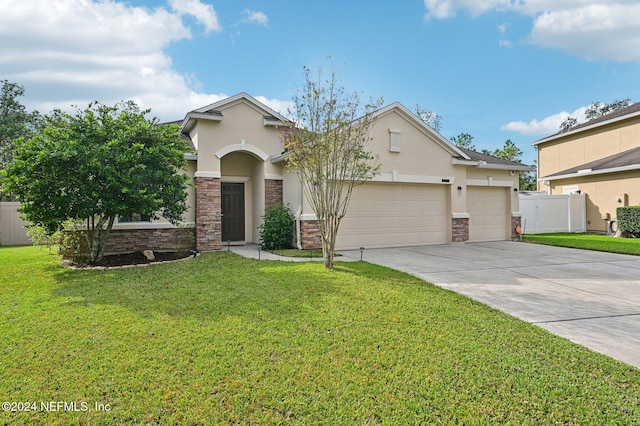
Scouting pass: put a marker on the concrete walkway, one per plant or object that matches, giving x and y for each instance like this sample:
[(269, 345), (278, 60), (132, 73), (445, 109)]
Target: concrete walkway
[(253, 252), (590, 298)]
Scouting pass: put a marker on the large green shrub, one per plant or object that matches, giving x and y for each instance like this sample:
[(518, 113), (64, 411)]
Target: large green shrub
[(277, 227), (629, 220)]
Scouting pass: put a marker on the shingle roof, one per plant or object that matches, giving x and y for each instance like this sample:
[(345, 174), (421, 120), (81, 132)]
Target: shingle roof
[(620, 114), (489, 159), (623, 159), (616, 114)]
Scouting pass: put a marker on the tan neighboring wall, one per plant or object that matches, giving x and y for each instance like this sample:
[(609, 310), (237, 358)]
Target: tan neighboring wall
[(583, 147)]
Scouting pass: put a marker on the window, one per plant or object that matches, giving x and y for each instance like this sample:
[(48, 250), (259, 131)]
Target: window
[(394, 140), (136, 217)]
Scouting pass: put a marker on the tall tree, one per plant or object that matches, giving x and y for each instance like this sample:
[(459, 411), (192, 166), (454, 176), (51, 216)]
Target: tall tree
[(595, 110), (429, 117), (15, 121), (328, 150), (510, 152), (598, 109), (464, 140), (102, 162)]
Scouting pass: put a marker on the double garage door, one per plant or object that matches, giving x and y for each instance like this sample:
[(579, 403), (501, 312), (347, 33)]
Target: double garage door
[(393, 215)]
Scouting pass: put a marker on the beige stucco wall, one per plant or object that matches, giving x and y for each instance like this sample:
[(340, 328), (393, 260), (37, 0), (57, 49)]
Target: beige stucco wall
[(419, 152), (602, 192), (422, 156), (243, 126), (190, 215), (238, 149), (584, 147)]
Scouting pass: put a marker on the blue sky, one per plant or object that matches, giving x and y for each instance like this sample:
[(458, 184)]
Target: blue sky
[(496, 69)]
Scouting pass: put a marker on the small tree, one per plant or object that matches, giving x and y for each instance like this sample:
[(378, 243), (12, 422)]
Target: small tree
[(100, 163), (328, 150)]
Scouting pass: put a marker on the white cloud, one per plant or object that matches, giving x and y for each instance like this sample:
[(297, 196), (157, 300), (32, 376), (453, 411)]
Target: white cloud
[(253, 17), (593, 29), (441, 9), (105, 50), (279, 106), (547, 126), (203, 13), (503, 29), (596, 32)]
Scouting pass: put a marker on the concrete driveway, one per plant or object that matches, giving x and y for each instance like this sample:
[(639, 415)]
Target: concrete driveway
[(590, 298)]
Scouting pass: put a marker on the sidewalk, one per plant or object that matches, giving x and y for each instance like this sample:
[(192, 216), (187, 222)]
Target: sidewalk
[(253, 252)]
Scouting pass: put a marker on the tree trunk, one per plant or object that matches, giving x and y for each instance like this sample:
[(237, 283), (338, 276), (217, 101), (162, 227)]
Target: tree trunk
[(100, 236), (329, 231)]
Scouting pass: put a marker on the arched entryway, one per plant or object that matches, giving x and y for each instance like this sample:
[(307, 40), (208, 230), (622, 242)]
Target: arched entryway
[(242, 199)]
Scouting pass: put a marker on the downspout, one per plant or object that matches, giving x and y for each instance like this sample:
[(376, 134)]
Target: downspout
[(298, 215), (298, 230)]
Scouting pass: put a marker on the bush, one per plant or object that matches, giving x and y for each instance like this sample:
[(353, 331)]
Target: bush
[(629, 220), (277, 228)]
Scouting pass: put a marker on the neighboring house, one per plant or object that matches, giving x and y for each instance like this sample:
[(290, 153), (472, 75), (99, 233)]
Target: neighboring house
[(599, 158), (428, 190)]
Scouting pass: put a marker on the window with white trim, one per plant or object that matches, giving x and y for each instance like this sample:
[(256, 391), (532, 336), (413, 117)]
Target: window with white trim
[(136, 217), (394, 140)]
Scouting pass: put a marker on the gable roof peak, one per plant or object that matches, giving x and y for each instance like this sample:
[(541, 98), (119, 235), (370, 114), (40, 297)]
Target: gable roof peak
[(454, 150), (242, 95)]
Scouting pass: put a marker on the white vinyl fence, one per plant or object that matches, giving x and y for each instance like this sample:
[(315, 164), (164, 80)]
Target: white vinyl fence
[(544, 213), (12, 228)]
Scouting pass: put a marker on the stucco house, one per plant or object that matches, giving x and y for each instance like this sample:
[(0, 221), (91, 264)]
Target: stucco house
[(428, 192), (599, 158)]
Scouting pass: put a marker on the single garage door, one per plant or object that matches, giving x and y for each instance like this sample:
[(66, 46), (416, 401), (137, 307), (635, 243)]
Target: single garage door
[(487, 207), (393, 215)]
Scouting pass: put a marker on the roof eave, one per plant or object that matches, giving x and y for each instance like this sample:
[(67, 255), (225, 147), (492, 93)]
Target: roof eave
[(628, 168), (585, 128), (514, 167), (190, 119)]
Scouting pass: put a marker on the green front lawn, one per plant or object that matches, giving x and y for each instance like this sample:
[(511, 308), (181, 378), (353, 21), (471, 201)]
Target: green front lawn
[(311, 254), (223, 339), (587, 242)]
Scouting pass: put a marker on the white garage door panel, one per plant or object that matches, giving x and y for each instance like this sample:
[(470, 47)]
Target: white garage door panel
[(387, 214), (487, 208)]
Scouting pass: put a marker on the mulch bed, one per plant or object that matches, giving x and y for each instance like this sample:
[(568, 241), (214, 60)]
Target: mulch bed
[(137, 258)]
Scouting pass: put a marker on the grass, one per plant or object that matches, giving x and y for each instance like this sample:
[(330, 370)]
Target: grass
[(312, 253), (223, 339), (587, 242)]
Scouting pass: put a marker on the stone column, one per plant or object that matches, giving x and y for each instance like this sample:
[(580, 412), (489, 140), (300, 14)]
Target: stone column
[(311, 238), (459, 230), (208, 214), (515, 222), (272, 193)]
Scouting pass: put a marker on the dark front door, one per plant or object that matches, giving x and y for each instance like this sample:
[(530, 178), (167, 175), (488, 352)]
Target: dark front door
[(232, 211)]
